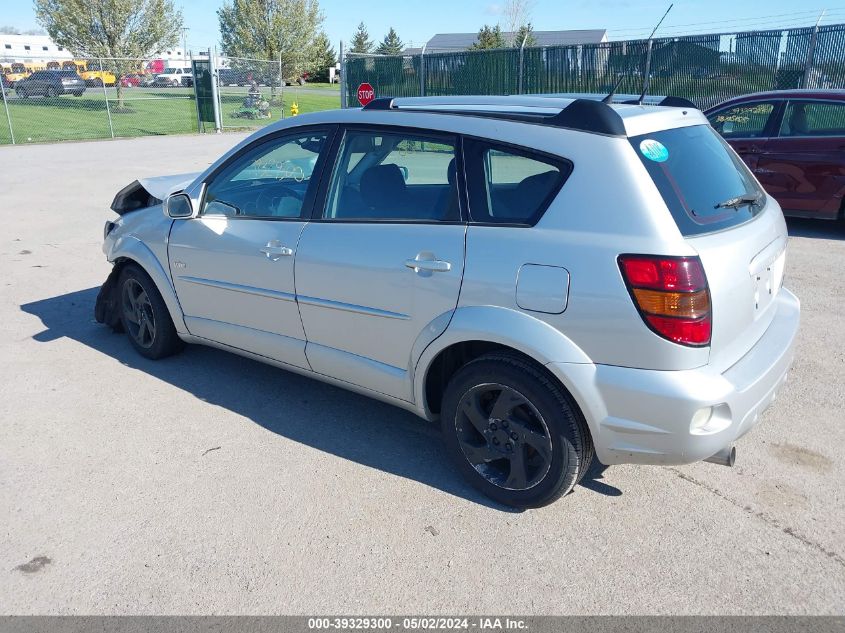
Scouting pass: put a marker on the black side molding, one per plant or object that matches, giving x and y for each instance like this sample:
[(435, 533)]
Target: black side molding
[(589, 116)]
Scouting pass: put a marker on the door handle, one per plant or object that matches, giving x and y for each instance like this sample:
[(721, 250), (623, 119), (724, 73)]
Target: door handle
[(428, 265), (274, 250)]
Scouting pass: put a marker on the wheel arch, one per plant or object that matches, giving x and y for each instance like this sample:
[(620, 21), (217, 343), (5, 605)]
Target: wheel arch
[(478, 330), (130, 250)]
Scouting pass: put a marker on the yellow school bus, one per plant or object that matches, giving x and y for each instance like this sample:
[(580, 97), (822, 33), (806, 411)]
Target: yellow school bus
[(77, 64), (93, 76), (16, 72)]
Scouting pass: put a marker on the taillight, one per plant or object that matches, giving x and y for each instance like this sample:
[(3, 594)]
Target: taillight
[(672, 296)]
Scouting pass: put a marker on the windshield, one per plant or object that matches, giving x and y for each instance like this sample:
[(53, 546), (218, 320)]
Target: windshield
[(705, 185), (18, 68)]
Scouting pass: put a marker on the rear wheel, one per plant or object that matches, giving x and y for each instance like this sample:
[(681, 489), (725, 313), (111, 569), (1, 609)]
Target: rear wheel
[(513, 432), (144, 315), (51, 92)]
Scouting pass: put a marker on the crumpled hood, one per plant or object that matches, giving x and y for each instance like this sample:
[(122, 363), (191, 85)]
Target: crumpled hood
[(146, 192)]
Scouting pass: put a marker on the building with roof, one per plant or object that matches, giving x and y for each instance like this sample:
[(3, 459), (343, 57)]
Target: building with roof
[(40, 48), (450, 42)]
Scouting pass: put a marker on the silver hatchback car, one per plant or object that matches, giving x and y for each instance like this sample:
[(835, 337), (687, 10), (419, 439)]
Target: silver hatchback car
[(551, 278)]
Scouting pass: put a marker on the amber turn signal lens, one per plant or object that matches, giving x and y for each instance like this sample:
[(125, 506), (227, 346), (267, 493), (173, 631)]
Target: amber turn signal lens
[(687, 305)]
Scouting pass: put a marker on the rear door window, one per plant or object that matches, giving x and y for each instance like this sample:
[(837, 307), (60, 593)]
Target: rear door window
[(395, 176), (747, 120), (813, 118), (509, 185), (704, 183)]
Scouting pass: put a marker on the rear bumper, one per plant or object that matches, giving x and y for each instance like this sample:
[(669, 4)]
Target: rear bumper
[(644, 416)]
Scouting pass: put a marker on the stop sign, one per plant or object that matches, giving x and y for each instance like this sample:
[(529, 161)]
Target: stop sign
[(366, 93)]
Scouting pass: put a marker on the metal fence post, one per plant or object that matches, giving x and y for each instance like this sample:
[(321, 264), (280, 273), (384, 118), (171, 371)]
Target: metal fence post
[(8, 116), (215, 99), (281, 88), (342, 81), (521, 73), (422, 70), (811, 53), (196, 94), (106, 97), (647, 73)]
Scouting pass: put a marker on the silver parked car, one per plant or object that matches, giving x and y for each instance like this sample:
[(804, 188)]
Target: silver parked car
[(551, 278)]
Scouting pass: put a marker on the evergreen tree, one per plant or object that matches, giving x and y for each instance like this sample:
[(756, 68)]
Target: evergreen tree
[(361, 42), (391, 44), (489, 38), (323, 57), (525, 32)]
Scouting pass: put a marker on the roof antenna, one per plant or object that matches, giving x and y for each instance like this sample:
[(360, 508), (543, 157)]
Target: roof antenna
[(609, 97), (648, 58)]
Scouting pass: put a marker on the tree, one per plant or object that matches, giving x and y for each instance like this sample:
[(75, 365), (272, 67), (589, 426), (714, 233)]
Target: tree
[(323, 57), (361, 42), (9, 30), (517, 15), (125, 31), (271, 30), (391, 44), (489, 38), (524, 33)]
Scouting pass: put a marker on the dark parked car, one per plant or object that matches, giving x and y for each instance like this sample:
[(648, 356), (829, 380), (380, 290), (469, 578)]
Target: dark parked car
[(794, 142), (51, 83)]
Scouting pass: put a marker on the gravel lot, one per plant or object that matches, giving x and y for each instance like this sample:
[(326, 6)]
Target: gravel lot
[(207, 483)]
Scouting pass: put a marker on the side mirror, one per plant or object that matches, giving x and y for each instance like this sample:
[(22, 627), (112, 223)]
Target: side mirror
[(179, 205), (404, 171), (728, 127)]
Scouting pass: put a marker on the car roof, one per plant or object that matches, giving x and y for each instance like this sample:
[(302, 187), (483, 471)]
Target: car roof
[(582, 112)]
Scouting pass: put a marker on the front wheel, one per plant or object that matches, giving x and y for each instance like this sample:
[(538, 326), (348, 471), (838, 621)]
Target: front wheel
[(144, 315), (513, 432), (51, 92)]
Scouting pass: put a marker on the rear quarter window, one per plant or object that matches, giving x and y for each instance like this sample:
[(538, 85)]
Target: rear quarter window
[(696, 171), (511, 185)]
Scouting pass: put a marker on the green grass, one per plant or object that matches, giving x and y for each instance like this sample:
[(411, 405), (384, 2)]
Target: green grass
[(147, 112)]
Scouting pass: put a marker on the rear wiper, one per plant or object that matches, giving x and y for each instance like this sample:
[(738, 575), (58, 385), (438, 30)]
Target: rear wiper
[(739, 201)]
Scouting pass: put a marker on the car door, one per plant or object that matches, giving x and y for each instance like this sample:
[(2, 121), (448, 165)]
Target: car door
[(378, 270), (233, 264), (746, 127), (804, 165)]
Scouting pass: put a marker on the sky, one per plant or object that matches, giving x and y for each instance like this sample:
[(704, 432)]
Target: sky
[(417, 20)]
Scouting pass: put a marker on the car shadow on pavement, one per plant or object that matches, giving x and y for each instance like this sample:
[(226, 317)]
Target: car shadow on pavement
[(302, 409), (818, 229)]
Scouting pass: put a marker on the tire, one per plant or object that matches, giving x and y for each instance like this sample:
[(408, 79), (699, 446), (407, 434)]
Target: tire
[(174, 83), (77, 94), (537, 425), (144, 315), (23, 94), (301, 81), (51, 92)]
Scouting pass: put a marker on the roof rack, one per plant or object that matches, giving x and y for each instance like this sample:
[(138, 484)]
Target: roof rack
[(575, 114)]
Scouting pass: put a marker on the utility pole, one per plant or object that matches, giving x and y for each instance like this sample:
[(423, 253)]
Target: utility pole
[(811, 52), (184, 30)]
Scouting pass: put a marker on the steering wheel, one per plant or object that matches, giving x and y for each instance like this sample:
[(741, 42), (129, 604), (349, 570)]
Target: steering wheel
[(270, 196)]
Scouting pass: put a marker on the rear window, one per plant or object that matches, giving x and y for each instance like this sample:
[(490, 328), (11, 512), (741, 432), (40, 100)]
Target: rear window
[(705, 185)]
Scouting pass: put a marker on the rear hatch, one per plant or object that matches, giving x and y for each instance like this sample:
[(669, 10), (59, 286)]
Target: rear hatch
[(738, 232)]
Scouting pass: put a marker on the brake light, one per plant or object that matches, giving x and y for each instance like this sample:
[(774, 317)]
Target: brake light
[(672, 296)]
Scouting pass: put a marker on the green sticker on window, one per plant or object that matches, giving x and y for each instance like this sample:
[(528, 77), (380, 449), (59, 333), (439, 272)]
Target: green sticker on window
[(654, 150)]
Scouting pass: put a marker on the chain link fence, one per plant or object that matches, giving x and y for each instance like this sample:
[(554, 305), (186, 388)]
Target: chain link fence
[(705, 69), (115, 98), (47, 102)]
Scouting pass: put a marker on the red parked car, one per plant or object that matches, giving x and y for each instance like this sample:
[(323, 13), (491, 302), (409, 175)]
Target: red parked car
[(130, 81), (794, 142)]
